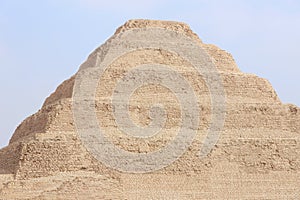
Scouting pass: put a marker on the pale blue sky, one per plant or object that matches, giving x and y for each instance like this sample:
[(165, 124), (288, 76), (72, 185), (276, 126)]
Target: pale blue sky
[(43, 42)]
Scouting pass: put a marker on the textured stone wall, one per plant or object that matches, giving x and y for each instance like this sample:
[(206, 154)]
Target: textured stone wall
[(256, 157)]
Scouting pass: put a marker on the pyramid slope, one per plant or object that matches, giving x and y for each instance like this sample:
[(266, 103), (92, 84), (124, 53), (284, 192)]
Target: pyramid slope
[(259, 141)]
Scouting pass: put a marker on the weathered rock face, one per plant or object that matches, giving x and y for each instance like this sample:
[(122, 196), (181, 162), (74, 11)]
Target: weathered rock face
[(257, 155)]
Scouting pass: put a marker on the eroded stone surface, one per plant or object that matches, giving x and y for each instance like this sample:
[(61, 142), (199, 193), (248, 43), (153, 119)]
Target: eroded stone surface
[(257, 155)]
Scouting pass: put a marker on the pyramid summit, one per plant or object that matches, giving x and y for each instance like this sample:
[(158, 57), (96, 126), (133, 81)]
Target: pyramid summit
[(155, 113)]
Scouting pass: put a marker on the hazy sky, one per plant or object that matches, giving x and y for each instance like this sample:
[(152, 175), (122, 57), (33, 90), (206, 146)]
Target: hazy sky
[(43, 42)]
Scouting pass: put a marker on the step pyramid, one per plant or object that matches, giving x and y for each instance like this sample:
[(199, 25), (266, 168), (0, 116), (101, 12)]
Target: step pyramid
[(155, 113)]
